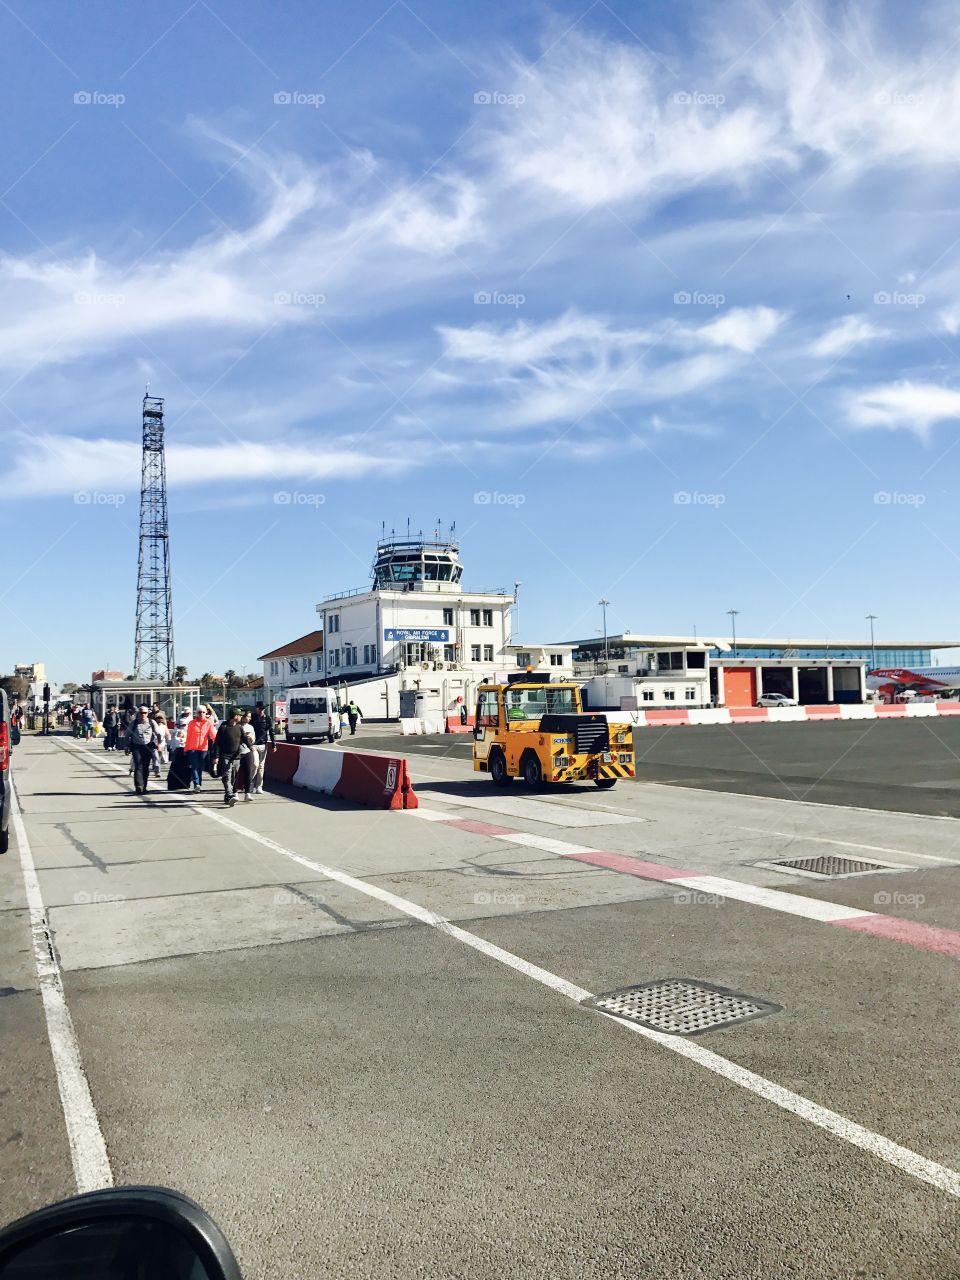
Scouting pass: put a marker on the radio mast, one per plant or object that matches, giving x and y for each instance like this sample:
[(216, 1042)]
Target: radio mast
[(153, 651)]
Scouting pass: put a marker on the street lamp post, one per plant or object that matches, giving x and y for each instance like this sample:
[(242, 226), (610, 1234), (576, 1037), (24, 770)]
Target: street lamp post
[(606, 648), (732, 613), (871, 618)]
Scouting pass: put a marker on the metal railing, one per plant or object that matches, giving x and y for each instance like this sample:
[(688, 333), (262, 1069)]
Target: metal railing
[(342, 595)]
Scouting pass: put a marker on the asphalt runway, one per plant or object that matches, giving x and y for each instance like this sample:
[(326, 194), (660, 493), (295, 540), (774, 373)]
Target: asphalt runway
[(359, 1038), (908, 765)]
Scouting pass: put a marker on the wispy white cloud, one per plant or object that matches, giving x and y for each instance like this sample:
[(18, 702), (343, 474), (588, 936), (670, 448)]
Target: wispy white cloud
[(907, 406), (744, 329), (330, 254), (576, 366), (603, 121), (525, 343), (850, 332), (68, 464)]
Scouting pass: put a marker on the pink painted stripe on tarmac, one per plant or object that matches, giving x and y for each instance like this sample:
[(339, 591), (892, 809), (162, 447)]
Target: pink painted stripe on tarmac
[(478, 828), (912, 933), (926, 937), (630, 866)]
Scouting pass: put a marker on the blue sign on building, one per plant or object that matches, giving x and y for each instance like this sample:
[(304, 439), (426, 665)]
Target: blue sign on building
[(414, 635)]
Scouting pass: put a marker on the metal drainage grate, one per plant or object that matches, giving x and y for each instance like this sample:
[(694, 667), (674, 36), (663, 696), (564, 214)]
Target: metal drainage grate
[(831, 864), (681, 1006)]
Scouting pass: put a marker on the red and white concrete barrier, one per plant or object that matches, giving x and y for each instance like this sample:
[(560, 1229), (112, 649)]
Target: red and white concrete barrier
[(660, 717), (455, 725), (382, 782)]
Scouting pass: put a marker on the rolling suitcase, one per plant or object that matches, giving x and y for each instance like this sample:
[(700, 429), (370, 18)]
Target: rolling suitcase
[(178, 775)]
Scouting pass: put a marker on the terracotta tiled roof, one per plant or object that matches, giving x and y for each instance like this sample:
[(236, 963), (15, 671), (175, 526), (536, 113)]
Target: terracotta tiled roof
[(312, 642)]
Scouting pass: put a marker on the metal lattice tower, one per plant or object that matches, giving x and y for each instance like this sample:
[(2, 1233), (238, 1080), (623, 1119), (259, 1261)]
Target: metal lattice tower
[(153, 654)]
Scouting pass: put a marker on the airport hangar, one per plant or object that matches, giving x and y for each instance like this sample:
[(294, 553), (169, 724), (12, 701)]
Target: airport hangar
[(716, 670)]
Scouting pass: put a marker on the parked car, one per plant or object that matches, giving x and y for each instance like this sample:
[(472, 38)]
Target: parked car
[(776, 700), (9, 737)]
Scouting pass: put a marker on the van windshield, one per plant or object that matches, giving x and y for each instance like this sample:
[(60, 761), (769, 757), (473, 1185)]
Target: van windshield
[(308, 706)]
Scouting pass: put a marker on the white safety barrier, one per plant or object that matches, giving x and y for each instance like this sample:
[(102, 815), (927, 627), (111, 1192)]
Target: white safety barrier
[(666, 717), (856, 711)]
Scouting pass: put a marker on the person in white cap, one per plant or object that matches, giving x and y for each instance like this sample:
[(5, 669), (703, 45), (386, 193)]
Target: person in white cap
[(141, 741)]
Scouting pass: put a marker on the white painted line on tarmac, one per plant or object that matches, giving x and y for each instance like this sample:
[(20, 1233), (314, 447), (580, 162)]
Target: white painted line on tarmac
[(851, 844), (911, 932), (88, 1151), (775, 899), (875, 1144), (553, 812), (935, 1175), (793, 904), (807, 804), (563, 848)]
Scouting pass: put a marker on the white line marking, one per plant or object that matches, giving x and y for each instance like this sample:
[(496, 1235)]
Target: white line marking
[(851, 844), (936, 1175), (88, 1151), (554, 812), (563, 848), (808, 804), (875, 1144), (793, 904)]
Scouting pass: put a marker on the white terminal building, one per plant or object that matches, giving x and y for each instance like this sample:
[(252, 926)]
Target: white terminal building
[(417, 630)]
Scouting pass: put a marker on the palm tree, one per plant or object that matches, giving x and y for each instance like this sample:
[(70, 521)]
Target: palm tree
[(179, 675), (206, 678), (230, 676)]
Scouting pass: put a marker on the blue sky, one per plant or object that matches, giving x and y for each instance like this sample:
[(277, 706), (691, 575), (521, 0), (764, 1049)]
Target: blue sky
[(675, 287)]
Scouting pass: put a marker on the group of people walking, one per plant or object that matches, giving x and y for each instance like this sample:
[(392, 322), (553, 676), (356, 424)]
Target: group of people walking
[(195, 746), (234, 750)]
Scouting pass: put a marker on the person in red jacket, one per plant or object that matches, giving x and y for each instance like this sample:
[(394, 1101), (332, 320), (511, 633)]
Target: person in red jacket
[(199, 736)]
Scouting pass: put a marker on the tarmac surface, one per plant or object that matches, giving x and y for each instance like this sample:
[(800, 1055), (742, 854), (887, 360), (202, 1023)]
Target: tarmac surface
[(357, 1037), (909, 765)]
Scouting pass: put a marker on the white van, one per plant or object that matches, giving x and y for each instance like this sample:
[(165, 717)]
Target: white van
[(312, 713)]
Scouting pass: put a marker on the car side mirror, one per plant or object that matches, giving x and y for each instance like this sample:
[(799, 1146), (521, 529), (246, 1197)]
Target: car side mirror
[(127, 1231)]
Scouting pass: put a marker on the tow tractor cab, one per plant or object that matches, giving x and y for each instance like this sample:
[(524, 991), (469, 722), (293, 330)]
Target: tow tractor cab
[(537, 730)]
